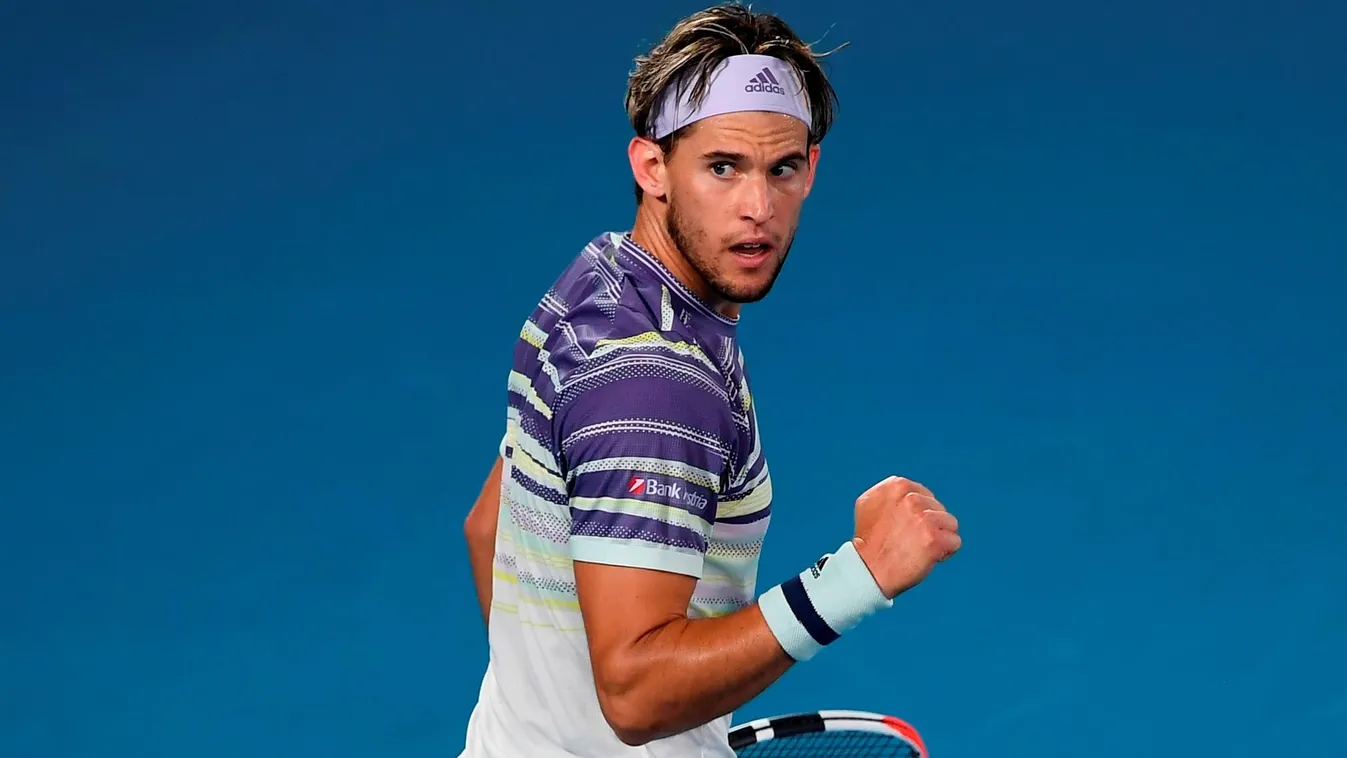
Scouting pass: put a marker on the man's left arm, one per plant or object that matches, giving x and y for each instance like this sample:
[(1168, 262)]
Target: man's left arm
[(480, 530)]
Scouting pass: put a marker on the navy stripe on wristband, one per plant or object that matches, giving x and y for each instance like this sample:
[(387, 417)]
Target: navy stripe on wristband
[(805, 613), (812, 610)]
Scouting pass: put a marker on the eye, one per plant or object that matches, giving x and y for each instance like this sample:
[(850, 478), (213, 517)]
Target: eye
[(784, 171), (722, 168)]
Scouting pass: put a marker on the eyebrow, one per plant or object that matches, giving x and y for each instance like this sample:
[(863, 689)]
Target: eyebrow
[(730, 157)]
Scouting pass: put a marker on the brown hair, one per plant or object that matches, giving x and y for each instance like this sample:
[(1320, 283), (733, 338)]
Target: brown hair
[(701, 41)]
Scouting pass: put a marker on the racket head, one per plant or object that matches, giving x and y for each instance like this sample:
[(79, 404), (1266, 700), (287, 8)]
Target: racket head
[(828, 734)]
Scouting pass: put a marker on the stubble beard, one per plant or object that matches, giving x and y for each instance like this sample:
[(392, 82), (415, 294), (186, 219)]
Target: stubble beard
[(686, 241)]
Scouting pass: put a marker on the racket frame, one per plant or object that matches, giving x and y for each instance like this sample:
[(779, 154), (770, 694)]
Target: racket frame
[(813, 722)]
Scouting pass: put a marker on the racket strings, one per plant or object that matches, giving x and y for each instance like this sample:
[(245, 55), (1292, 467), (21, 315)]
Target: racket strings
[(841, 744)]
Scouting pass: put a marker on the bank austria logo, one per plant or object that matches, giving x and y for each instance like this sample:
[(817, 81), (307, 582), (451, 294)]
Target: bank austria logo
[(764, 82), (649, 486)]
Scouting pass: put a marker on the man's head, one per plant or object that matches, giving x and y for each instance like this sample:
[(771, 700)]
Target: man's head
[(729, 110)]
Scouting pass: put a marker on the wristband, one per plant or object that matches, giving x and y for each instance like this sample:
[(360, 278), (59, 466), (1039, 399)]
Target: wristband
[(827, 600)]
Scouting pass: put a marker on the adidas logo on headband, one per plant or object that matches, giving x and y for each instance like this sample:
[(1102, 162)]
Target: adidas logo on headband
[(759, 76), (764, 82)]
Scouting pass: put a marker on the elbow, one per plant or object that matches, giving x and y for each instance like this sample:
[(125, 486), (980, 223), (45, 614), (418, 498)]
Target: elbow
[(634, 738), (633, 724), (478, 528), (632, 717)]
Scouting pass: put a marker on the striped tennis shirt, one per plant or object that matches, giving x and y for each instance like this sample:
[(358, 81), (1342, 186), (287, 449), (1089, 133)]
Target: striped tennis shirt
[(631, 440)]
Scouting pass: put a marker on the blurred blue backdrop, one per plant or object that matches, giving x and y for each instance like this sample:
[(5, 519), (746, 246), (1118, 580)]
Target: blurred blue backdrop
[(1080, 267)]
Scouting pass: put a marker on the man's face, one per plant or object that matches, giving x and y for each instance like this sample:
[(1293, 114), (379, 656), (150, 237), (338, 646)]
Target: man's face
[(735, 185)]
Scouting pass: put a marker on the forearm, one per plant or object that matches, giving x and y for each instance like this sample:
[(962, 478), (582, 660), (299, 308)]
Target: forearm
[(688, 672)]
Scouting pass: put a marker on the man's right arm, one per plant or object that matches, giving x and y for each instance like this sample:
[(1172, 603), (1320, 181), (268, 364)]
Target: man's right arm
[(638, 552), (658, 672)]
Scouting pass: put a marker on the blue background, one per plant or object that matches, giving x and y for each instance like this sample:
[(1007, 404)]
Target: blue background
[(1079, 267)]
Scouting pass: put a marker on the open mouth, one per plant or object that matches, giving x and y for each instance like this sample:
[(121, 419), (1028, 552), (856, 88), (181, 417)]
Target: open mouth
[(751, 249)]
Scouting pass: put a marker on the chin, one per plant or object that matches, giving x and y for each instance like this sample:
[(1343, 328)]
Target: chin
[(746, 292), (741, 285)]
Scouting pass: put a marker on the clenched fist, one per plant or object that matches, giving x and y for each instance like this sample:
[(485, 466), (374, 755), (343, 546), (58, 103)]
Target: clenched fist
[(902, 531)]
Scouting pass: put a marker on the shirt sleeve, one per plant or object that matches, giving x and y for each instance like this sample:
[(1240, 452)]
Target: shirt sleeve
[(645, 457)]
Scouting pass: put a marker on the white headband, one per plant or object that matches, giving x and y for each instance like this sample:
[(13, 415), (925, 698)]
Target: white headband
[(740, 83)]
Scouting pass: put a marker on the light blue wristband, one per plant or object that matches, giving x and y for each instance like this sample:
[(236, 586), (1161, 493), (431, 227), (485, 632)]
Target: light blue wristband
[(809, 611)]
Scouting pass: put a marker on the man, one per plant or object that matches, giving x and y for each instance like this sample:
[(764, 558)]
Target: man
[(615, 543)]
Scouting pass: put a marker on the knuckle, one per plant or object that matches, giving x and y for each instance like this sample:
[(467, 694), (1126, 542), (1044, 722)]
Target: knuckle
[(899, 485), (885, 489), (882, 490), (953, 547)]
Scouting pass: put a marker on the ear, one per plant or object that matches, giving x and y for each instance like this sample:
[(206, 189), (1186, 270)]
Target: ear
[(813, 164), (647, 166)]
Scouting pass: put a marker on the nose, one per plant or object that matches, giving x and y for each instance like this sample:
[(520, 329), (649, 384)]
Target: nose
[(755, 199)]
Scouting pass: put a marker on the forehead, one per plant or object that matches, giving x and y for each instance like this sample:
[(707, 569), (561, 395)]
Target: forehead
[(749, 133)]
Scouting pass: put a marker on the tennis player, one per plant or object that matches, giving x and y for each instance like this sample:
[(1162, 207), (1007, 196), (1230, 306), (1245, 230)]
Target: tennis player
[(615, 544)]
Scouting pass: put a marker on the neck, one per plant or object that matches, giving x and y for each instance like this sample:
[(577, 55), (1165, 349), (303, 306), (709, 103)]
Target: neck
[(650, 232)]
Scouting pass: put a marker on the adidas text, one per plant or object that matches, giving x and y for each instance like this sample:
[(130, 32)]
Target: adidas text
[(760, 87)]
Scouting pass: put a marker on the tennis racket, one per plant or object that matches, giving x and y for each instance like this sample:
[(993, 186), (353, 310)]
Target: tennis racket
[(828, 734)]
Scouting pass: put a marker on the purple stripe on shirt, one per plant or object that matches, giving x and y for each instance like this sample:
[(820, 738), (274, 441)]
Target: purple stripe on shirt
[(599, 523), (646, 386), (595, 444), (536, 489), (754, 470), (745, 519)]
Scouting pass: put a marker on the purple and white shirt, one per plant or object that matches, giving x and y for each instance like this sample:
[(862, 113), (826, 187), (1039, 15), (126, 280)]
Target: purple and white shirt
[(631, 440)]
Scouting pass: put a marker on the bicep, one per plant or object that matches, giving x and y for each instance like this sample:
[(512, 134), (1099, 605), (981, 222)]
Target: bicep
[(620, 605), (638, 544), (645, 466)]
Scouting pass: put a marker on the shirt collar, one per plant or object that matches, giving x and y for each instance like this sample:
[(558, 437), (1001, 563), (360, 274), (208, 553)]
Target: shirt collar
[(685, 301)]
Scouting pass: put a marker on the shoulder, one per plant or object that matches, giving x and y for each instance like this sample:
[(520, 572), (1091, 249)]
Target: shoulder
[(648, 377), (640, 355), (624, 347), (596, 311), (649, 396), (591, 274)]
